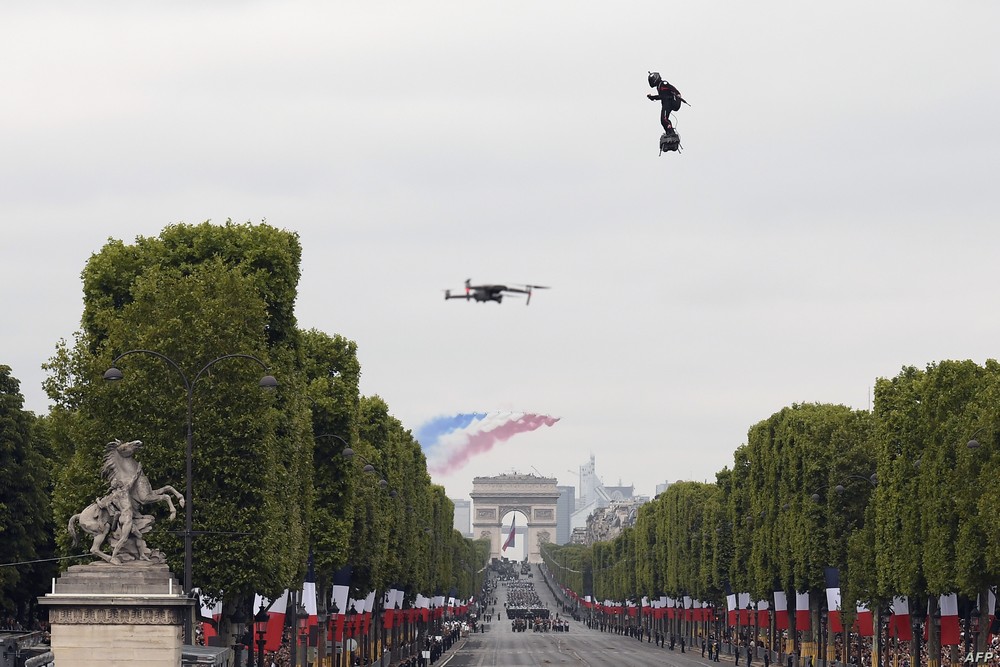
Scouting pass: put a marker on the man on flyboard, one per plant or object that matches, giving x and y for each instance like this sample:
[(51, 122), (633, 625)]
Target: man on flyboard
[(670, 100)]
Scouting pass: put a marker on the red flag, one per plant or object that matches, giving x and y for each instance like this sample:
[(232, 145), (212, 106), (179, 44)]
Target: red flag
[(510, 538)]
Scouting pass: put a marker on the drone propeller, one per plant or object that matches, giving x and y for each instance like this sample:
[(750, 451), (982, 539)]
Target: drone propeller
[(531, 288)]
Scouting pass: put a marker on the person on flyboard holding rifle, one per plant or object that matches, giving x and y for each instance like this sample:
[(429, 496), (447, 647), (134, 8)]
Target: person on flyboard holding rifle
[(670, 100)]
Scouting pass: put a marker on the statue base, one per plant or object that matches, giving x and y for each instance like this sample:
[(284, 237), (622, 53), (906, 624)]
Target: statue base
[(102, 614)]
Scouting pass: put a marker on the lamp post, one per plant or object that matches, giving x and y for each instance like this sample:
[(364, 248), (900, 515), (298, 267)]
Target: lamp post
[(293, 608), (368, 467), (260, 626), (238, 619), (113, 374)]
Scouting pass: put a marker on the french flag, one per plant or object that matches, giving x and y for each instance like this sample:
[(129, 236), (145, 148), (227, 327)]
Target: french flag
[(743, 600), (865, 623), (802, 617), (275, 622), (950, 633), (423, 606), (763, 614), (780, 610), (731, 608), (369, 605), (832, 576), (389, 605), (338, 600), (213, 612), (899, 622), (510, 538), (309, 597)]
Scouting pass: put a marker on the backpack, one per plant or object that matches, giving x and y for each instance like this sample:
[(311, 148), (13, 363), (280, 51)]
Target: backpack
[(675, 95)]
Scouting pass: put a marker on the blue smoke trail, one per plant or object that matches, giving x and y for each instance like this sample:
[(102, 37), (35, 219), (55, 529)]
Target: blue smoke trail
[(428, 433)]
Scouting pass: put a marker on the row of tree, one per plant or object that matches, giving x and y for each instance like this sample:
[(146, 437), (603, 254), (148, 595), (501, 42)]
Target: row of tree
[(271, 486), (903, 500)]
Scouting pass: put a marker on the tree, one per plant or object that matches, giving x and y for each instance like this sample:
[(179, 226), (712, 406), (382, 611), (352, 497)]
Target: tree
[(25, 520), (331, 369), (195, 294)]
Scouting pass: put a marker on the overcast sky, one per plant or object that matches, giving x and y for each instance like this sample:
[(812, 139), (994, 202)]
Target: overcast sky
[(833, 217)]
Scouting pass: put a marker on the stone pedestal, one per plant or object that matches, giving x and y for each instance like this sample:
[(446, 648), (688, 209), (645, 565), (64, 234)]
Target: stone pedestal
[(108, 615)]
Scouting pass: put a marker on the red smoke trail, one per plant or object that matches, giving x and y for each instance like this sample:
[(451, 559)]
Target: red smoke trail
[(483, 441)]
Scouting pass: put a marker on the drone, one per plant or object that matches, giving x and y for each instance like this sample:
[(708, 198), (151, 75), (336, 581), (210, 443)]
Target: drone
[(484, 293)]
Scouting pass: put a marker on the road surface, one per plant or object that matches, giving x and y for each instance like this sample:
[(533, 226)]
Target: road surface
[(500, 646)]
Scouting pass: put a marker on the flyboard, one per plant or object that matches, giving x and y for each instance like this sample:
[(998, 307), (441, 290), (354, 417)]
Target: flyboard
[(670, 141)]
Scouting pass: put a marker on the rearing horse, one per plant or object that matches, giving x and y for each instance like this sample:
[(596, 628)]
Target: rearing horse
[(120, 465)]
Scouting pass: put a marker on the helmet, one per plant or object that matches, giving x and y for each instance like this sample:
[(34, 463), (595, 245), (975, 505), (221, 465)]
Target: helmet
[(654, 79)]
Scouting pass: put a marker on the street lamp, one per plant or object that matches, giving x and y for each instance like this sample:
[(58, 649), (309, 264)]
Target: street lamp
[(349, 453), (839, 488), (113, 374), (260, 626)]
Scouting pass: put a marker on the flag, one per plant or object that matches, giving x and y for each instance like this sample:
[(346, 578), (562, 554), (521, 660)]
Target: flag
[(832, 577), (339, 600), (367, 617), (309, 596), (213, 612), (780, 610), (731, 608), (865, 623), (510, 538), (802, 618), (743, 601), (950, 633), (899, 622), (763, 614), (389, 608), (275, 622)]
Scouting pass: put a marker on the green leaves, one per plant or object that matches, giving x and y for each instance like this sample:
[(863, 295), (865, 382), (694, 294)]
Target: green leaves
[(25, 521)]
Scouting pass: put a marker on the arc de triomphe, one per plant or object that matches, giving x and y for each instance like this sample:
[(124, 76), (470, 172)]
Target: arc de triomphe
[(533, 496)]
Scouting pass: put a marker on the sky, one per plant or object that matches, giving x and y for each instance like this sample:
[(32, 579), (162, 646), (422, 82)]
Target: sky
[(833, 216)]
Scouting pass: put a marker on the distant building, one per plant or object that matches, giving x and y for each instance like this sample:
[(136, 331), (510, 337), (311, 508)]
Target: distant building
[(660, 488), (607, 523), (594, 495), (463, 516), (564, 512)]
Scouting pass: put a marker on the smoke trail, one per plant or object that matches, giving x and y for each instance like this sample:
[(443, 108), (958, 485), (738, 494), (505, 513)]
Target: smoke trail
[(429, 433), (482, 441)]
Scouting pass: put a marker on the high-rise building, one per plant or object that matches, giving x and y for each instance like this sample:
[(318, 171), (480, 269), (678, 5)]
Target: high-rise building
[(565, 507), (463, 516), (594, 495), (588, 482)]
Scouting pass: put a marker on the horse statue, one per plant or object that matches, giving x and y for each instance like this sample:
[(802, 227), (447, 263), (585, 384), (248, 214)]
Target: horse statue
[(117, 514)]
